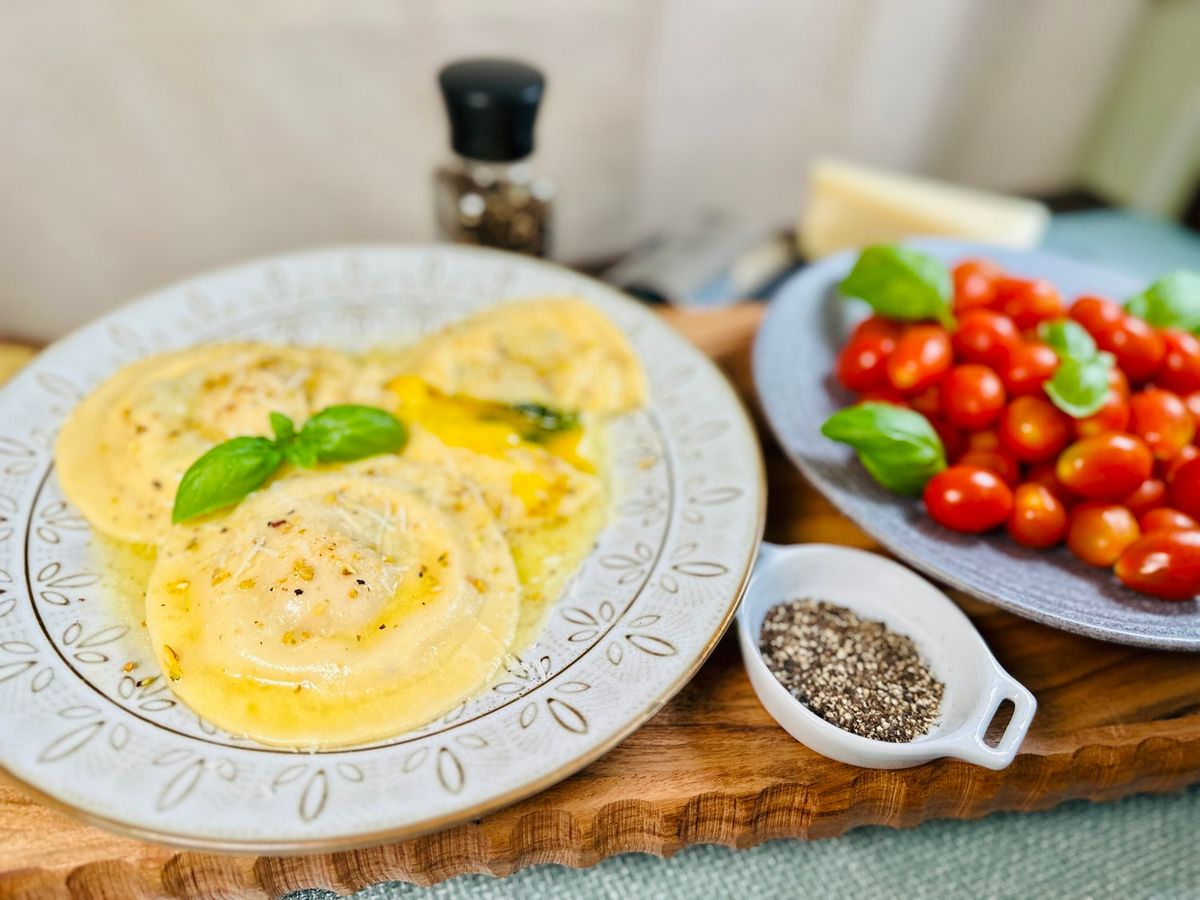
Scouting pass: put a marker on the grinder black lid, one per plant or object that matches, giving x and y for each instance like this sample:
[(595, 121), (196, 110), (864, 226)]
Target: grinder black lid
[(492, 105)]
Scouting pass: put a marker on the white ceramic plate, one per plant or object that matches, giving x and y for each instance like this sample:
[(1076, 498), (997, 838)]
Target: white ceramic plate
[(633, 626)]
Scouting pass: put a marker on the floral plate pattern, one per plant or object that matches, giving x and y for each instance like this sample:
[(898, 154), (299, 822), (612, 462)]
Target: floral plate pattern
[(109, 742)]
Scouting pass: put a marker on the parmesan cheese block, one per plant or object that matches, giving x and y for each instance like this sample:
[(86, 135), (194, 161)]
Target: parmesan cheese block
[(852, 206)]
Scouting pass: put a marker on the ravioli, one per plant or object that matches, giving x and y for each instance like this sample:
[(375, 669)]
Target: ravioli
[(559, 351), (336, 608), (123, 449)]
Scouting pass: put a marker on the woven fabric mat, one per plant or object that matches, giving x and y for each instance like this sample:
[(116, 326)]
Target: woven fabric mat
[(1139, 847)]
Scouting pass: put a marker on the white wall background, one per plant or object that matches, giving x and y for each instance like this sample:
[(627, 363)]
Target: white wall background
[(145, 141)]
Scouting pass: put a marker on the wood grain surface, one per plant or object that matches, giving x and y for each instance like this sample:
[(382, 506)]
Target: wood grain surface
[(711, 767)]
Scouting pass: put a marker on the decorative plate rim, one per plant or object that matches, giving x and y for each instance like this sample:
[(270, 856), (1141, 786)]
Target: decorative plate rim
[(754, 484)]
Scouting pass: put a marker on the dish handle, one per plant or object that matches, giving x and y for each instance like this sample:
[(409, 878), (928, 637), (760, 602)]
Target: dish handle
[(968, 742)]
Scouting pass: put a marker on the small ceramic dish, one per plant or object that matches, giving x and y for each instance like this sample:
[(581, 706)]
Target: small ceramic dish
[(877, 588)]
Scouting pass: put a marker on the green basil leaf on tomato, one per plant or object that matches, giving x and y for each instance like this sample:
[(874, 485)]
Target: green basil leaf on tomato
[(1171, 302), (1068, 339), (903, 284), (897, 446), (1079, 387)]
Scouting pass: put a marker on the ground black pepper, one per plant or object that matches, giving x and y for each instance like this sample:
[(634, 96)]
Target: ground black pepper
[(854, 673)]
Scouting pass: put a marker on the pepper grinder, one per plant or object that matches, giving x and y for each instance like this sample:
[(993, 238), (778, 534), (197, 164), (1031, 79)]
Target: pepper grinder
[(488, 194)]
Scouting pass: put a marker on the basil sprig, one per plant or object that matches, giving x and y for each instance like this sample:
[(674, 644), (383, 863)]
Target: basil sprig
[(1171, 302), (1079, 385), (897, 446), (903, 284), (231, 470)]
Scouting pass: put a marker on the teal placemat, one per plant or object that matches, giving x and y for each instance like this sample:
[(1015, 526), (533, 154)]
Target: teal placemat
[(1139, 847)]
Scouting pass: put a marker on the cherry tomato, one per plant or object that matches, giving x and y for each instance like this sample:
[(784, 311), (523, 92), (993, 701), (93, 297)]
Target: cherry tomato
[(1166, 519), (1002, 463), (1106, 466), (1162, 420), (1169, 467), (1100, 532), (953, 439), (984, 336), (882, 394), (968, 498), (1180, 370), (1112, 416), (1028, 367), (862, 364), (1096, 313), (1038, 517), (1185, 488), (1118, 382), (1043, 473), (972, 395), (1150, 494), (929, 402), (877, 326), (988, 439), (1033, 429), (922, 355), (1028, 301), (1165, 564), (975, 284), (1139, 349)]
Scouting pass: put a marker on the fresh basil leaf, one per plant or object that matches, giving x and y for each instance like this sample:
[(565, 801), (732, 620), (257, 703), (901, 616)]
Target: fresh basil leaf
[(1079, 387), (224, 475), (547, 419), (897, 446), (300, 453), (1171, 302), (343, 433), (1068, 338), (284, 428), (901, 284)]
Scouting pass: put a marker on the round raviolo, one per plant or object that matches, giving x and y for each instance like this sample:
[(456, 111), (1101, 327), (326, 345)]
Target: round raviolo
[(123, 449), (558, 351), (335, 608)]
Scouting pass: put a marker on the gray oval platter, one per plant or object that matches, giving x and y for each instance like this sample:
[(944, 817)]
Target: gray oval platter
[(794, 356)]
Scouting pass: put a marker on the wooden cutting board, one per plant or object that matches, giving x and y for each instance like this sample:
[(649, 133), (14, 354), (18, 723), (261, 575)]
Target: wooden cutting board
[(711, 767)]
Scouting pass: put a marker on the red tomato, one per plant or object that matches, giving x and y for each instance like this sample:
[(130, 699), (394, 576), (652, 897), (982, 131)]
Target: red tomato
[(987, 439), (1185, 488), (1100, 532), (1165, 564), (968, 498), (953, 439), (1033, 429), (1139, 349), (1162, 420), (1112, 416), (1096, 313), (862, 364), (877, 326), (984, 336), (1003, 464), (975, 284), (1105, 466), (972, 395), (929, 402), (883, 394), (1028, 301), (1166, 519), (1150, 494), (922, 356), (1180, 370), (1168, 468), (1038, 518), (1027, 368), (1118, 382), (1043, 473)]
